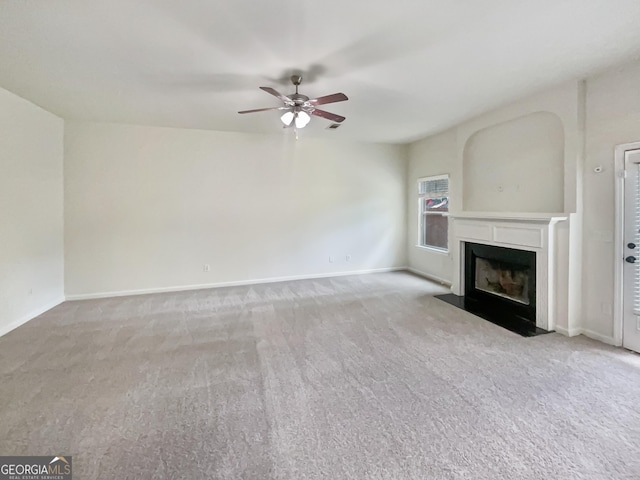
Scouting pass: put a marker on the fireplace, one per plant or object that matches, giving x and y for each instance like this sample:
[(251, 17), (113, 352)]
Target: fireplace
[(501, 279), (508, 269)]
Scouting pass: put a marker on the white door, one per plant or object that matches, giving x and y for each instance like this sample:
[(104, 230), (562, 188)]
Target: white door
[(631, 289)]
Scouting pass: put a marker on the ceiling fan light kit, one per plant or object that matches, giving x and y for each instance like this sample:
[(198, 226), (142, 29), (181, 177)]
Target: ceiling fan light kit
[(299, 108), (300, 118)]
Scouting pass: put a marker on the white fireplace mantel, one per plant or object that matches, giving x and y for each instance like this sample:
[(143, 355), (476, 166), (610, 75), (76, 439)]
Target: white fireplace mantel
[(508, 216), (523, 231)]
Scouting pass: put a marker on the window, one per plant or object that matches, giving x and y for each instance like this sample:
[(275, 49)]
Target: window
[(433, 195)]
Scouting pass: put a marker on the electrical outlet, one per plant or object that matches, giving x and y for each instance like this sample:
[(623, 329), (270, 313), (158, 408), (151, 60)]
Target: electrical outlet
[(348, 258), (331, 259), (31, 291), (206, 267)]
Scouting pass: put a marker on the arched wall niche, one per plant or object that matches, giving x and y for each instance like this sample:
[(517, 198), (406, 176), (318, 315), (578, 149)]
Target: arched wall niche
[(516, 166)]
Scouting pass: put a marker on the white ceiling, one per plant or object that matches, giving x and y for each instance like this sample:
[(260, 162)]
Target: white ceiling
[(409, 67)]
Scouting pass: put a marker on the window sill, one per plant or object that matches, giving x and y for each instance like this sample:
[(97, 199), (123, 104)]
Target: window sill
[(433, 249)]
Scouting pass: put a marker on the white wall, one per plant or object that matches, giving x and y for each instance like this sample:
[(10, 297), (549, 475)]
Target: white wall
[(31, 223), (147, 207), (432, 156), (613, 118)]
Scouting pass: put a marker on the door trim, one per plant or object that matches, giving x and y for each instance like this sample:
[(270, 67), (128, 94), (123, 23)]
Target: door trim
[(618, 293)]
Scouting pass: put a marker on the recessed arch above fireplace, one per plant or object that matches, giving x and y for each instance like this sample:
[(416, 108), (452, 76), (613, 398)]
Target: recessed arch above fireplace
[(507, 166)]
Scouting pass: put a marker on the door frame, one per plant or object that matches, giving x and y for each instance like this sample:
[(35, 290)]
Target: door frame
[(618, 292)]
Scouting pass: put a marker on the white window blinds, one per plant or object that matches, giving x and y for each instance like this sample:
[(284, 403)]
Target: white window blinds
[(434, 188)]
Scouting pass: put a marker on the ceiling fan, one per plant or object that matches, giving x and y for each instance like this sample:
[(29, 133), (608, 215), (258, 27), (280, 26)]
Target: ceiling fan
[(299, 107)]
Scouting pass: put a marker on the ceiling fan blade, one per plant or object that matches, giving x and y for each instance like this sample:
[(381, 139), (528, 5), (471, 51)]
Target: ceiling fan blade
[(263, 109), (276, 93), (336, 97), (328, 115)]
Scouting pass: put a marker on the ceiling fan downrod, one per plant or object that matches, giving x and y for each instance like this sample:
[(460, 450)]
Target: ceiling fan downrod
[(296, 80)]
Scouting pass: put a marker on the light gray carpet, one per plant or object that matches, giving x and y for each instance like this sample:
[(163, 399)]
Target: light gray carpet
[(364, 377)]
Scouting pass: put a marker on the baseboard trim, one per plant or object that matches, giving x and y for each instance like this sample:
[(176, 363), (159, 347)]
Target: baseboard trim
[(429, 276), (36, 313), (572, 332), (598, 336), (184, 288)]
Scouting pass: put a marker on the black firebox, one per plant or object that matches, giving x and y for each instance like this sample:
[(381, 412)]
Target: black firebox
[(501, 279)]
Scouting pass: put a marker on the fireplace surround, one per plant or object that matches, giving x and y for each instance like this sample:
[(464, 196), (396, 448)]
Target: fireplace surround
[(535, 233)]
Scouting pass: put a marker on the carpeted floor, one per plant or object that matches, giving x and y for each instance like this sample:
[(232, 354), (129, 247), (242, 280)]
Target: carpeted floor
[(363, 377)]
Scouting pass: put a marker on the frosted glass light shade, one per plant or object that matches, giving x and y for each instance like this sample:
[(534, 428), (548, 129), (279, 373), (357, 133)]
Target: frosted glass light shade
[(302, 119), (287, 117)]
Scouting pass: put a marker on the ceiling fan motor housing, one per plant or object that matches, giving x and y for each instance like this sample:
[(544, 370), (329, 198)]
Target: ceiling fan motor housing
[(298, 99)]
